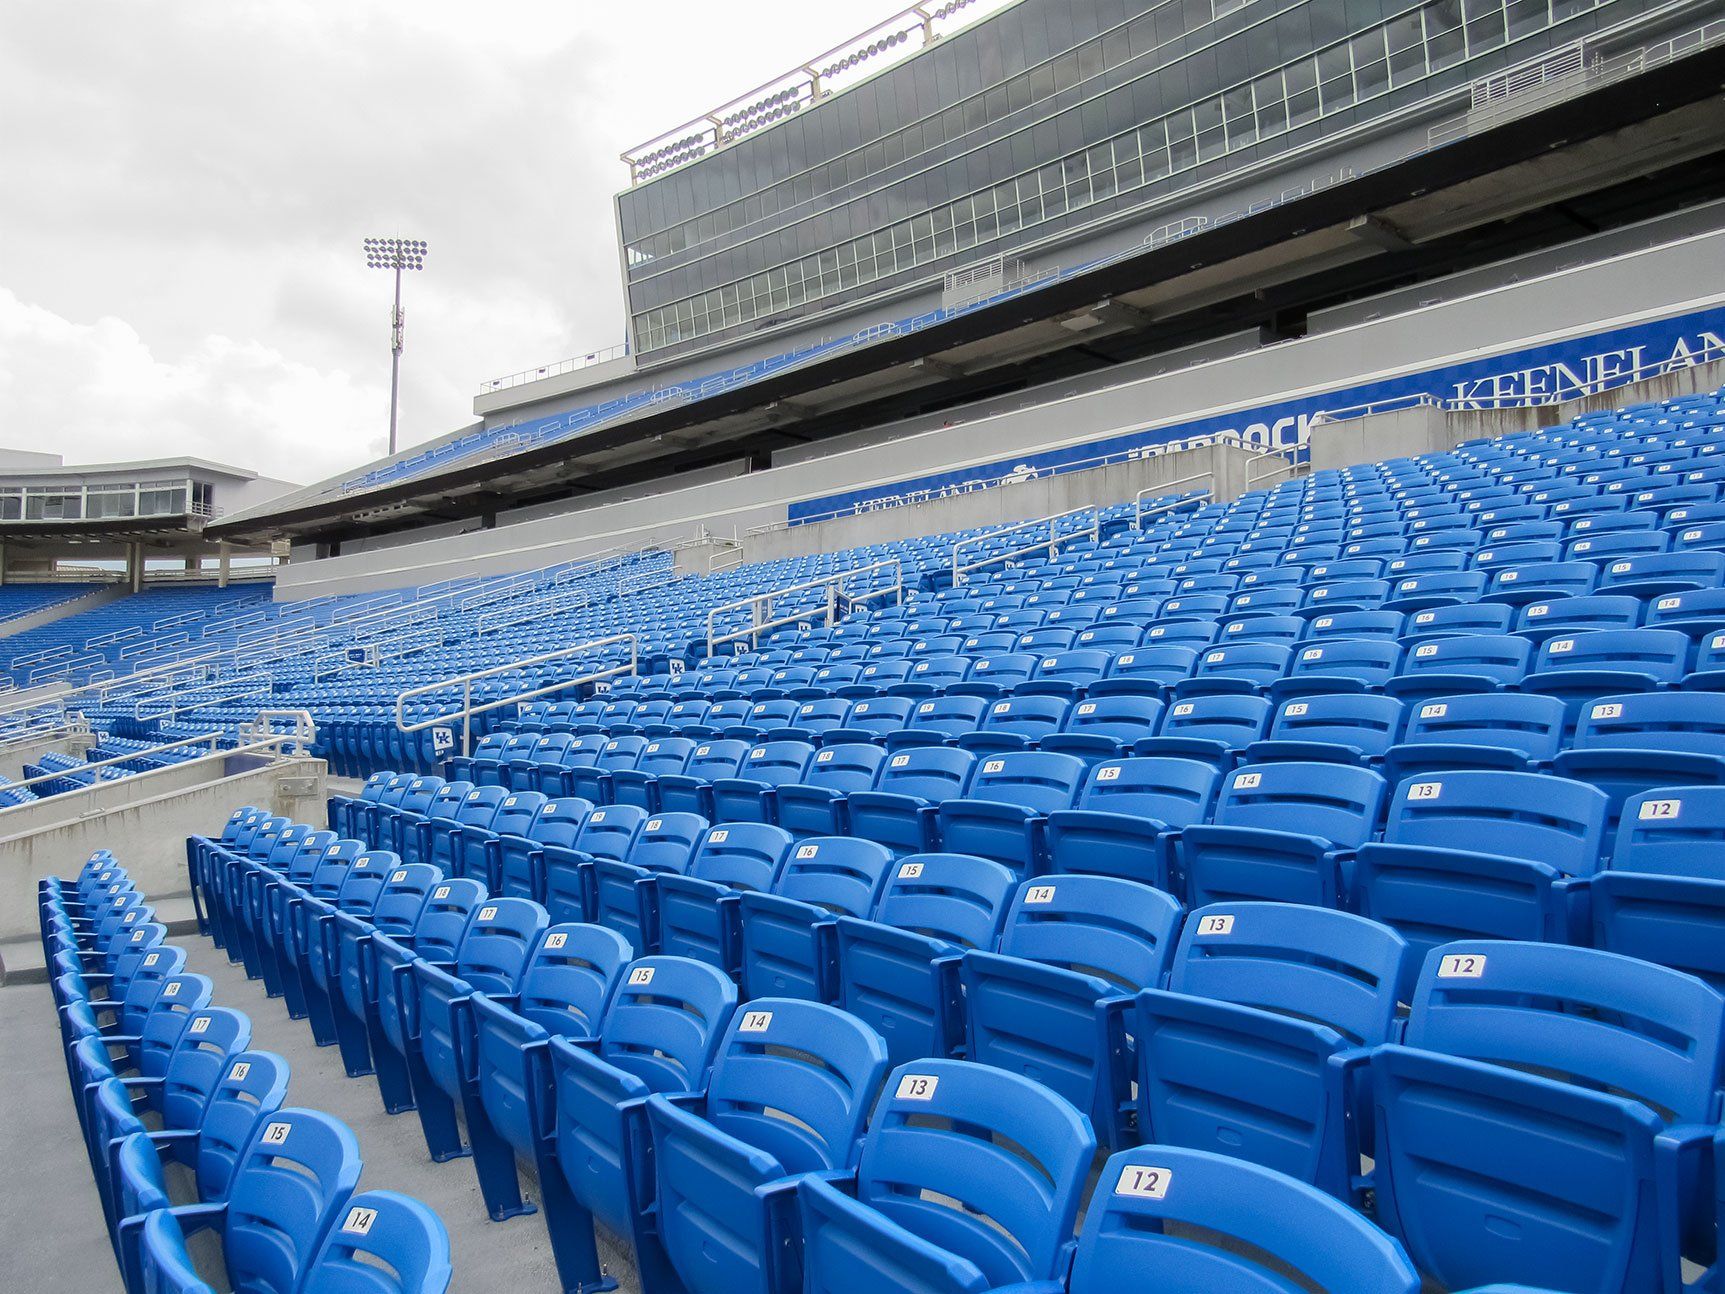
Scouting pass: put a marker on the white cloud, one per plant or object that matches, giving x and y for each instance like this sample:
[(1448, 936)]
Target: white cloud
[(95, 393), (180, 269)]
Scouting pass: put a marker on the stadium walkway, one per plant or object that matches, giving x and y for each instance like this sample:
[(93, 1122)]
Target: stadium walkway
[(512, 1257)]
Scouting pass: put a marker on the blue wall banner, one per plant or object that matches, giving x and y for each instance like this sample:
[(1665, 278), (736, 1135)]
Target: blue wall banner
[(1535, 375)]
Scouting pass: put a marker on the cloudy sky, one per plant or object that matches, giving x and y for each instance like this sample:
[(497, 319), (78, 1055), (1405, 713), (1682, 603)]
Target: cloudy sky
[(187, 183)]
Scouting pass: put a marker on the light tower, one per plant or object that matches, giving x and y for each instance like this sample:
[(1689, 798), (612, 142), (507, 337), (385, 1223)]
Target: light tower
[(396, 254)]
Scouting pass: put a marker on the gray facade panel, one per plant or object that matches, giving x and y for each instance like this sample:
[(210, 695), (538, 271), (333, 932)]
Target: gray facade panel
[(1049, 115)]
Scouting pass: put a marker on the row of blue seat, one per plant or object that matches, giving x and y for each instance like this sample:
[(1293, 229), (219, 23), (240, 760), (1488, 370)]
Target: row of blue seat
[(562, 1047), (160, 1077)]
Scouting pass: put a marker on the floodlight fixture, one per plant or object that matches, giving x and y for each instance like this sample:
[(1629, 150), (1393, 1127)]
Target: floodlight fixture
[(396, 254)]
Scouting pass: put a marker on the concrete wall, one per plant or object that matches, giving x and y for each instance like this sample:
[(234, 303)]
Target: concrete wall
[(1223, 469), (13, 758), (146, 832), (1428, 429)]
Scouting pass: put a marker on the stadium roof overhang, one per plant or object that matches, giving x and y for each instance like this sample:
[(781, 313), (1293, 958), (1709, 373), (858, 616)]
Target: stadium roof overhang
[(1482, 198)]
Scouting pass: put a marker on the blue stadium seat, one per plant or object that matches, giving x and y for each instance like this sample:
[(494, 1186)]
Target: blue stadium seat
[(1053, 1002), (691, 791), (899, 812), (1662, 895), (1127, 817), (1490, 730), (660, 1033), (1626, 744), (750, 795), (1534, 1078), (900, 971), (1002, 810), (697, 912), (293, 1182), (1257, 994), (1016, 723), (1463, 663), (789, 1094), (1577, 669), (816, 804), (1281, 832), (1471, 854), (969, 1180), (624, 894), (494, 950), (788, 947), (1264, 1232), (1350, 728), (659, 757), (1213, 729)]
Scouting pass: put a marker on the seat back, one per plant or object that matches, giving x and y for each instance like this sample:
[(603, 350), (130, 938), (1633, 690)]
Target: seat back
[(567, 986), (1335, 803), (1265, 1233), (498, 942), (1175, 792), (1357, 721), (1116, 930), (796, 1080), (985, 1167), (667, 842), (849, 766), (402, 898), (611, 830), (835, 873), (1596, 1019), (1334, 968), (1532, 726), (932, 773), (295, 1176), (1034, 780), (251, 1089), (956, 898), (383, 1243), (666, 1020), (743, 856), (442, 922), (1673, 831)]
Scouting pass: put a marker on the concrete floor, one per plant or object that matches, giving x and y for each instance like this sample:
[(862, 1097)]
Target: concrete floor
[(51, 1227)]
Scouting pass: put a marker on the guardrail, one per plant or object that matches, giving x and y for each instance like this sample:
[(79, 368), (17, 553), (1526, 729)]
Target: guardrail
[(293, 743), (1051, 545), (466, 682), (170, 705), (561, 367), (760, 605), (1186, 497)]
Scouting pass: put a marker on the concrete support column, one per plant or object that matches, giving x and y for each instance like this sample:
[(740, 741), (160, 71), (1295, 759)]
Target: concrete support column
[(225, 552), (135, 566), (2, 563)]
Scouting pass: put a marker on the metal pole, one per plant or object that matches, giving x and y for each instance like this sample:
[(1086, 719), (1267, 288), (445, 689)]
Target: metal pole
[(395, 340), (466, 718)]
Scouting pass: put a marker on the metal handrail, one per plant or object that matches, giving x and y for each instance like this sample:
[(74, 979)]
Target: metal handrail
[(212, 739), (167, 705), (1181, 499), (1051, 545), (75, 725), (466, 682), (1288, 461), (289, 744), (761, 604)]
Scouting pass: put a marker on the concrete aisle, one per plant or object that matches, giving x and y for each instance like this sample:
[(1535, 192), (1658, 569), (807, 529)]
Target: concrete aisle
[(51, 1227), (512, 1257)]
